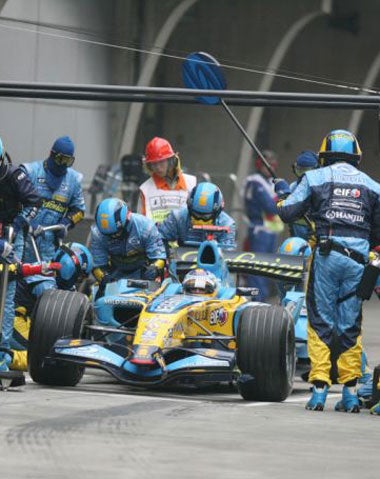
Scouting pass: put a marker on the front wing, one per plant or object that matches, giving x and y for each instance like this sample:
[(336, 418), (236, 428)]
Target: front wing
[(206, 364)]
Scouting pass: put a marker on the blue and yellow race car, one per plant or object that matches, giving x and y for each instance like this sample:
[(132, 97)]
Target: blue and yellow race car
[(169, 333)]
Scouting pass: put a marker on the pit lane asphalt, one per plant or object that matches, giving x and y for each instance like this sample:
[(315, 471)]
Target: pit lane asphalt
[(101, 429)]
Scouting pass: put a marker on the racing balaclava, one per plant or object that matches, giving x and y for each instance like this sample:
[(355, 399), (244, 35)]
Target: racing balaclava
[(61, 156)]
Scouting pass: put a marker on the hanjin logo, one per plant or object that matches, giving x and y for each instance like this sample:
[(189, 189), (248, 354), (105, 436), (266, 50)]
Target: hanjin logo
[(347, 192)]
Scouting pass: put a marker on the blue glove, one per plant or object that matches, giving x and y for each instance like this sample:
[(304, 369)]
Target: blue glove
[(281, 187), (66, 223), (6, 249)]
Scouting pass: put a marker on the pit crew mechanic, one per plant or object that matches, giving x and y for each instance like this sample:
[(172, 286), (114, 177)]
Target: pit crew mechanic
[(168, 187), (345, 205), (76, 263), (60, 187), (18, 206), (204, 207), (123, 245), (307, 160), (264, 222)]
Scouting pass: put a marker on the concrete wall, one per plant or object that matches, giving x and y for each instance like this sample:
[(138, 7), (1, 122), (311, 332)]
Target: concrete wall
[(240, 33), (32, 52)]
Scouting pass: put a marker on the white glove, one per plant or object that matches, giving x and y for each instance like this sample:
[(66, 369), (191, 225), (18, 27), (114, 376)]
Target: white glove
[(5, 249)]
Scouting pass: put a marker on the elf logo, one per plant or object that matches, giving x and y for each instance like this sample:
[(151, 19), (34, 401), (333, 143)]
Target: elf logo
[(347, 192)]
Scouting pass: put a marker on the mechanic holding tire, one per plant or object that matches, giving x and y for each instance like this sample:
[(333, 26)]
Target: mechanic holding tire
[(344, 203)]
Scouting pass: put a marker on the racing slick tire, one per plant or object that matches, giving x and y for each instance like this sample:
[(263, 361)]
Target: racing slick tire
[(57, 314), (266, 353)]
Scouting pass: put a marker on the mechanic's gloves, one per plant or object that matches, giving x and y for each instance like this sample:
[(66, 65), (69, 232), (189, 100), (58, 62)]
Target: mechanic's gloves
[(66, 225), (20, 223), (154, 271), (6, 249), (281, 187)]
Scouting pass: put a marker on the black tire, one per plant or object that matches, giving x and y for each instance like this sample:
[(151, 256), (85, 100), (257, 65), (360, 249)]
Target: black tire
[(266, 353), (57, 314)]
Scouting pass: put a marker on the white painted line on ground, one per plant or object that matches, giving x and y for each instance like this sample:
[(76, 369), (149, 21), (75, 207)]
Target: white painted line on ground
[(289, 400)]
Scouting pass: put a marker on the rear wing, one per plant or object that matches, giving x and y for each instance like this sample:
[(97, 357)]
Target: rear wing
[(281, 267)]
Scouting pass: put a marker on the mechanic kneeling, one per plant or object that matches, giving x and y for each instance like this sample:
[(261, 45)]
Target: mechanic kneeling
[(124, 245)]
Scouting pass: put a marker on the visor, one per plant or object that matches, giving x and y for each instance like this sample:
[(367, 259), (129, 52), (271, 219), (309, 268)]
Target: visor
[(63, 160), (202, 216)]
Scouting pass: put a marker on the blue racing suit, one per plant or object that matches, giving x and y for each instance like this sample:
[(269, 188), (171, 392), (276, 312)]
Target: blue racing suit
[(264, 226), (299, 227), (344, 203), (18, 206), (178, 227), (62, 202), (124, 257)]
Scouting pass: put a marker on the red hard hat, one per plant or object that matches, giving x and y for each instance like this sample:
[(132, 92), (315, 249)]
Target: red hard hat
[(158, 149)]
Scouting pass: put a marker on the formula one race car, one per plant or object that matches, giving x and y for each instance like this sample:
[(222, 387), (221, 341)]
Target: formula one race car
[(170, 333)]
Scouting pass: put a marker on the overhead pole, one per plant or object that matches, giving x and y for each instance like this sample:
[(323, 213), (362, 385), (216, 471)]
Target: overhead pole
[(244, 160)]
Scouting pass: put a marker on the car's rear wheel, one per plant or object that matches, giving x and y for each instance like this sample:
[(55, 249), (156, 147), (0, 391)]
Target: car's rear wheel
[(266, 354), (57, 314)]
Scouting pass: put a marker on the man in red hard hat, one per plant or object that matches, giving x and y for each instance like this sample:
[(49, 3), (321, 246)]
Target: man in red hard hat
[(168, 187)]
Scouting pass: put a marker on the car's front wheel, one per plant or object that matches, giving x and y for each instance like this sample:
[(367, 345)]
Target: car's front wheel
[(266, 353), (57, 314)]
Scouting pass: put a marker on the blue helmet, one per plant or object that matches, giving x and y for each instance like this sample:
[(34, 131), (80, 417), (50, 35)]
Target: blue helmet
[(306, 160), (76, 262), (111, 216), (205, 202), (199, 281), (339, 145), (296, 246)]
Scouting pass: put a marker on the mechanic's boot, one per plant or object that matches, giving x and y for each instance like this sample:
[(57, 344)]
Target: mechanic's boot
[(365, 378), (365, 391), (349, 401), (5, 361), (318, 399), (9, 379), (375, 409)]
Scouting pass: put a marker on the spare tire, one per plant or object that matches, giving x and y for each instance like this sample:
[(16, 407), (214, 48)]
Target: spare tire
[(57, 314), (266, 353)]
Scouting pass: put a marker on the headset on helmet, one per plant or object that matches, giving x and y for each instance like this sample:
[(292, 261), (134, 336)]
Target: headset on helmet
[(205, 202), (339, 145), (76, 261), (111, 216), (296, 246), (199, 281)]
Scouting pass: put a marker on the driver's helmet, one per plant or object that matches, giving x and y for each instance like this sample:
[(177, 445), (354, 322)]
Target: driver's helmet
[(296, 246), (199, 281), (76, 263)]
